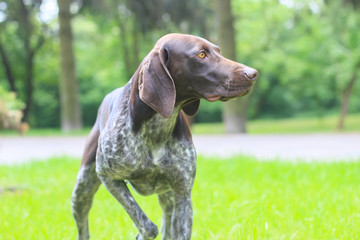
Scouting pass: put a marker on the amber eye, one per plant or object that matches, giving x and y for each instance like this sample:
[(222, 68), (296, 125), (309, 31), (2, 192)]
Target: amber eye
[(202, 55)]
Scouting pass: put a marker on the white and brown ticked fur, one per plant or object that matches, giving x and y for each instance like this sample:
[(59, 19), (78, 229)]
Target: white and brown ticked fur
[(141, 136)]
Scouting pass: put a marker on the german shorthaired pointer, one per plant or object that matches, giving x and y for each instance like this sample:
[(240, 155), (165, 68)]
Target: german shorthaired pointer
[(141, 136)]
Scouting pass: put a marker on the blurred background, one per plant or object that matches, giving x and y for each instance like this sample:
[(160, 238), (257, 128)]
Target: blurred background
[(59, 58), (56, 66)]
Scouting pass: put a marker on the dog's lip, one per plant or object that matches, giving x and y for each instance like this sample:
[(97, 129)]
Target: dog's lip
[(213, 98), (243, 93)]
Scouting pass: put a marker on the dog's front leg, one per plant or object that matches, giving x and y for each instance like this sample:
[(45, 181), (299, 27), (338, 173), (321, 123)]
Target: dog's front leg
[(167, 203), (181, 179), (147, 229), (182, 218)]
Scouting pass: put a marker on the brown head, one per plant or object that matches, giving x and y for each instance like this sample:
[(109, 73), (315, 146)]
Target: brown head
[(181, 69)]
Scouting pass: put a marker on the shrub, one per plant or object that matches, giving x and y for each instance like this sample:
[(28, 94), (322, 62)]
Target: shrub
[(10, 110)]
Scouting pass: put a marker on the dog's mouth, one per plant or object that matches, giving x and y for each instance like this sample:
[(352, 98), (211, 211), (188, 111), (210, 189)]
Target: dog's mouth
[(243, 93), (213, 98), (227, 97), (230, 94)]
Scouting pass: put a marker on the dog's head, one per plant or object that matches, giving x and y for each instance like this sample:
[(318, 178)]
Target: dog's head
[(182, 69)]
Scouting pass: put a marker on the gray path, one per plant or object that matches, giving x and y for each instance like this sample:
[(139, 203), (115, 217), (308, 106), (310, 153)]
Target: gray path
[(304, 147)]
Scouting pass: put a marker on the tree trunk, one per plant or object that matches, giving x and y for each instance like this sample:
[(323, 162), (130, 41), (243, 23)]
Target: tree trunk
[(136, 60), (29, 56), (29, 84), (125, 47), (235, 115), (7, 67), (234, 111), (70, 105), (131, 51), (346, 99)]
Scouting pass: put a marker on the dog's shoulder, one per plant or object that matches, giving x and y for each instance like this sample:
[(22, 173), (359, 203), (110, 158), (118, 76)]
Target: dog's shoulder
[(111, 102)]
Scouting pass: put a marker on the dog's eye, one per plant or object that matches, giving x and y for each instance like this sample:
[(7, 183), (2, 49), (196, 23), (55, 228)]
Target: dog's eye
[(202, 54)]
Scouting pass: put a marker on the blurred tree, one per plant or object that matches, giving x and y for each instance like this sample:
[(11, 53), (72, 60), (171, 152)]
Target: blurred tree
[(70, 105), (142, 22), (234, 111), (7, 67), (344, 17), (308, 56), (21, 15), (306, 51)]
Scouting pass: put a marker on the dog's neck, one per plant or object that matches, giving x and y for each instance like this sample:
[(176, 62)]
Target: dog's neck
[(142, 114), (158, 130)]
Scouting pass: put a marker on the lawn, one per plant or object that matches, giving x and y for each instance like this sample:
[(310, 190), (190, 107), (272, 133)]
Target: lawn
[(260, 126), (238, 198), (291, 125)]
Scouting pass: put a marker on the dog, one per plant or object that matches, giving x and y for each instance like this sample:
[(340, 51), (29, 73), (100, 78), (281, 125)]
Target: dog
[(141, 136)]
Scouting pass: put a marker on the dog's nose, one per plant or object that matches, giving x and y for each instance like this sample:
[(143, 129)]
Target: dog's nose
[(250, 73)]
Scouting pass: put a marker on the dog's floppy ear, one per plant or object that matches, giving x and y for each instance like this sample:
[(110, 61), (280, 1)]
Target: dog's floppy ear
[(191, 108), (156, 86)]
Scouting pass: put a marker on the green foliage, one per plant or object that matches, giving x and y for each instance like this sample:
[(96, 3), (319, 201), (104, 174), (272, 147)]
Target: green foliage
[(305, 51), (209, 112), (291, 125), (237, 198), (300, 53), (303, 124), (46, 109), (10, 109), (100, 68)]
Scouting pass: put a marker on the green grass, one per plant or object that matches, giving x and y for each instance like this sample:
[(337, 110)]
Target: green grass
[(238, 198), (46, 132), (291, 125)]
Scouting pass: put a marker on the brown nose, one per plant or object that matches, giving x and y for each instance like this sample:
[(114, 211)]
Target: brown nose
[(250, 73)]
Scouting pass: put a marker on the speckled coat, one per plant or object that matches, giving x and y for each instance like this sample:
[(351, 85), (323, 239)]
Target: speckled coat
[(141, 136)]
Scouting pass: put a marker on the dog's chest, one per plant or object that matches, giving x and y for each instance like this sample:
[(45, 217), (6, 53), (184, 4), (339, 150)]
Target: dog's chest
[(143, 156)]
